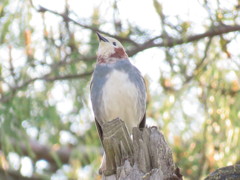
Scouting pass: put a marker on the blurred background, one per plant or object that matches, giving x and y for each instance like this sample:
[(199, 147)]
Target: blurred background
[(188, 52)]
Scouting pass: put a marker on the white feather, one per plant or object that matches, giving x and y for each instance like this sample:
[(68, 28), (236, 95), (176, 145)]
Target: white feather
[(105, 49), (120, 98)]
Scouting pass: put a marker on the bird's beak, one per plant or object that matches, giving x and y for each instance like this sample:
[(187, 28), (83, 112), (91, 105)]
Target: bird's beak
[(101, 38)]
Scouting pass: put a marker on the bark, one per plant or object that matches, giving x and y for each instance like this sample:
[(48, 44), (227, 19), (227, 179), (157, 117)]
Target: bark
[(146, 157), (229, 173)]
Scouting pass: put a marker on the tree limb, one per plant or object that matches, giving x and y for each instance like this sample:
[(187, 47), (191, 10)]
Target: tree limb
[(228, 172), (196, 71), (170, 42), (45, 77), (47, 153), (14, 175), (67, 18)]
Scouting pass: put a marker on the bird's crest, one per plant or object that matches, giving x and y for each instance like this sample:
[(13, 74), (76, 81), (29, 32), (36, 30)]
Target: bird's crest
[(110, 50)]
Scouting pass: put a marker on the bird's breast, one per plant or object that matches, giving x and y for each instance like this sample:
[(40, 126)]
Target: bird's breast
[(120, 99)]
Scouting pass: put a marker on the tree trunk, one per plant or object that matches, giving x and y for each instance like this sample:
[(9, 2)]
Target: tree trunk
[(146, 157)]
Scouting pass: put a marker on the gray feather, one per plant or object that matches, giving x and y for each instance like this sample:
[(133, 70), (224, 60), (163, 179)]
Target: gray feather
[(100, 77)]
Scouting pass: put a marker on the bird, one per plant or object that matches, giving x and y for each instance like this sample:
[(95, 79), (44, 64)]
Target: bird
[(117, 89)]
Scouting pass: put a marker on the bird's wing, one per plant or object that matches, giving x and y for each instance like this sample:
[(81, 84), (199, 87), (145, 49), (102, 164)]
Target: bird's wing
[(99, 129), (141, 84), (143, 122)]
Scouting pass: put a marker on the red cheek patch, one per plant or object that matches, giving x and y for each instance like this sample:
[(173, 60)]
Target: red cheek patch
[(119, 53)]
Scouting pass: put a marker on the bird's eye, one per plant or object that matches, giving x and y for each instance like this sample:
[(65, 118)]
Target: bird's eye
[(114, 43)]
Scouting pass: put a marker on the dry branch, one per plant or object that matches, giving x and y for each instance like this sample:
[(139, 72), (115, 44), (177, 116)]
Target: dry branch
[(93, 28), (170, 42), (47, 77), (47, 153), (14, 175), (229, 172)]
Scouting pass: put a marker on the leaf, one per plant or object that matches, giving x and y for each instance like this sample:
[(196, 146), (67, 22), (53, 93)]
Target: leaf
[(4, 30), (1, 11), (158, 7)]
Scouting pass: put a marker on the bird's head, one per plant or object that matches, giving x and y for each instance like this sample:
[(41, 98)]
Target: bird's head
[(110, 50)]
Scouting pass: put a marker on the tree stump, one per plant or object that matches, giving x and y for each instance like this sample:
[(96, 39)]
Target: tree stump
[(146, 157)]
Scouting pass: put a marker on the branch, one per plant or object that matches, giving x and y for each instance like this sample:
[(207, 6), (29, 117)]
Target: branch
[(69, 76), (45, 77), (11, 67), (224, 91), (196, 70), (67, 18), (48, 153), (170, 42), (228, 172), (10, 175)]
